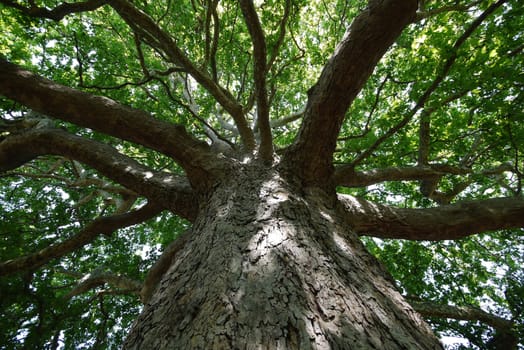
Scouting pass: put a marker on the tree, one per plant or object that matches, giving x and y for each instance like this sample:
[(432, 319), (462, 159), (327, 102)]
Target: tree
[(316, 174)]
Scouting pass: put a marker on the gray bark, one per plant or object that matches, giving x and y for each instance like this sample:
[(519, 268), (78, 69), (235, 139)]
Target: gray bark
[(271, 265)]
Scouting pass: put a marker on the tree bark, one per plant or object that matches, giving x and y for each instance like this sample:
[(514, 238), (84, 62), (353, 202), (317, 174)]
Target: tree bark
[(271, 265)]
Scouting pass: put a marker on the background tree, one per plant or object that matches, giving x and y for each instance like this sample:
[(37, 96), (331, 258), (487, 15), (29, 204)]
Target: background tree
[(217, 132)]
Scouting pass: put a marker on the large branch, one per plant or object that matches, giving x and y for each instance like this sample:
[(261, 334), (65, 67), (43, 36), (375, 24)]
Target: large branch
[(259, 74), (430, 309), (346, 175), (446, 67), (349, 177), (505, 337), (368, 38), (95, 279), (159, 187), (148, 28), (103, 225), (452, 221), (107, 116), (59, 11)]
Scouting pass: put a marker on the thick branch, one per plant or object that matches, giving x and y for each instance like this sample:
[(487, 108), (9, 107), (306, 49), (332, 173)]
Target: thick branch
[(346, 175), (429, 309), (452, 221), (349, 177), (148, 28), (368, 38), (99, 278), (428, 186), (160, 187), (434, 85), (58, 12), (107, 116), (260, 70), (103, 225)]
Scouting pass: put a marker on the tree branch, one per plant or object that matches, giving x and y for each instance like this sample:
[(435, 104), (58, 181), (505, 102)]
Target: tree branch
[(103, 225), (98, 278), (428, 186), (281, 35), (368, 38), (159, 187), (158, 38), (423, 13), (260, 71), (452, 221), (58, 12), (347, 176), (107, 116), (466, 313), (276, 123), (434, 85)]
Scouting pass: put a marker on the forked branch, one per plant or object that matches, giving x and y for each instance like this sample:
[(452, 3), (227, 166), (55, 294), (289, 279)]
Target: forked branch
[(446, 67), (162, 41), (105, 115), (175, 191)]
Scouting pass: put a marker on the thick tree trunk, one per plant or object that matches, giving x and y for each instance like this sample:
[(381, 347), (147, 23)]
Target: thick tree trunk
[(272, 266)]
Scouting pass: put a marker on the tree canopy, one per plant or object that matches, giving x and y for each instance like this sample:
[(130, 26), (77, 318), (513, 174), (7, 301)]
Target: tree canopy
[(437, 125)]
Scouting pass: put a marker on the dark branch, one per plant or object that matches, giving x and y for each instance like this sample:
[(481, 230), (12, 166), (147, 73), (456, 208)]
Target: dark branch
[(452, 221), (425, 127), (281, 34), (58, 12), (101, 226), (347, 176), (423, 14)]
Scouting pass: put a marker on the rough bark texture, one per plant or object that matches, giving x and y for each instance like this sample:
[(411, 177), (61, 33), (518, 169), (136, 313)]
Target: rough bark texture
[(270, 265)]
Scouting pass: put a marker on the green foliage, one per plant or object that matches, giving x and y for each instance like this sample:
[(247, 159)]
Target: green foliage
[(481, 127)]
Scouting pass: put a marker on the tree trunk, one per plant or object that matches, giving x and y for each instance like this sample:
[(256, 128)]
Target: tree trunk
[(271, 265)]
